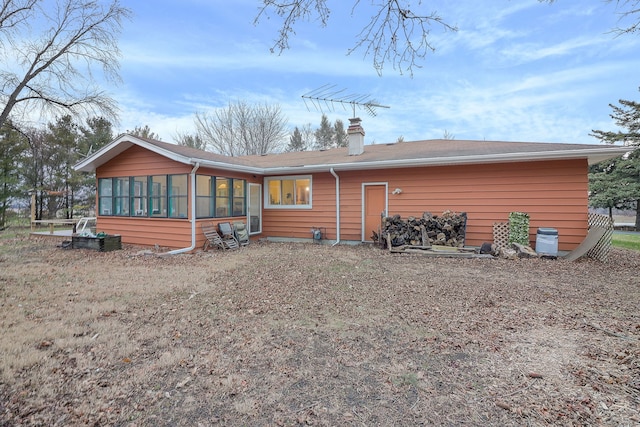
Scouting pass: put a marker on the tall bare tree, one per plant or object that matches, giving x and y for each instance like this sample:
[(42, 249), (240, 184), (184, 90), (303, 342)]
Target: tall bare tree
[(51, 50), (242, 129)]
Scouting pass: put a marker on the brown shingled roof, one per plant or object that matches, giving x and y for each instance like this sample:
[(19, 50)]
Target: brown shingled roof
[(426, 149), (400, 154)]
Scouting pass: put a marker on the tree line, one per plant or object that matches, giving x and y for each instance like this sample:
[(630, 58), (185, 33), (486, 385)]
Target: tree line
[(38, 162)]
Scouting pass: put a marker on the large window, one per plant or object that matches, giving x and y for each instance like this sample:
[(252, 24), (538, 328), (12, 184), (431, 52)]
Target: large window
[(121, 196), (139, 206), (223, 199), (105, 196), (219, 197), (204, 196), (292, 192), (167, 196), (158, 195), (178, 196), (239, 203)]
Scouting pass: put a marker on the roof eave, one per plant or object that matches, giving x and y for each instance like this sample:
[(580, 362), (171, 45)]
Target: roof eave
[(122, 143), (228, 166), (118, 146), (593, 155)]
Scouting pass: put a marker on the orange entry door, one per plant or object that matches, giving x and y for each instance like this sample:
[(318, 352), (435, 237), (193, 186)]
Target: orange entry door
[(374, 205)]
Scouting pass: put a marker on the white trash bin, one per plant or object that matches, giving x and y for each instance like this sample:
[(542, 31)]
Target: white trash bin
[(547, 241)]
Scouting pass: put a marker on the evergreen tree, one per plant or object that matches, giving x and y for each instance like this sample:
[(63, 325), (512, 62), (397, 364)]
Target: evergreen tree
[(603, 191), (324, 134), (97, 133), (192, 141), (62, 142), (296, 142), (617, 183), (144, 132), (341, 138), (13, 147)]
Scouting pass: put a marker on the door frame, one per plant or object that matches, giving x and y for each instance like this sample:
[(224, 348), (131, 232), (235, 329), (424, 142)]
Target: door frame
[(249, 206), (386, 205)]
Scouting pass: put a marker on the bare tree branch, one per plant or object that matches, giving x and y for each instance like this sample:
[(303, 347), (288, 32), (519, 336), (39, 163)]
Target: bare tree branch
[(13, 13), (291, 12), (630, 9), (53, 71), (399, 35), (626, 9), (397, 32)]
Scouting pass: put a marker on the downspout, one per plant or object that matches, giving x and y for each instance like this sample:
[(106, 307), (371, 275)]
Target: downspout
[(333, 172), (193, 214)]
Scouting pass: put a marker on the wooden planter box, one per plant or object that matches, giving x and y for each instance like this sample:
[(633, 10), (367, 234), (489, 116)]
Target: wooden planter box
[(102, 244)]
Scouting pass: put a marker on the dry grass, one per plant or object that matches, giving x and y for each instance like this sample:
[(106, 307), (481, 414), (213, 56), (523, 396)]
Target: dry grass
[(291, 334)]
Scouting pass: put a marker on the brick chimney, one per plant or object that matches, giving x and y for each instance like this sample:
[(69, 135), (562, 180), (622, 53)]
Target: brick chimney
[(356, 137)]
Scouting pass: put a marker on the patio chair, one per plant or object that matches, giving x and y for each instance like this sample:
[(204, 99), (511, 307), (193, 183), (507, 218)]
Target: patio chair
[(240, 229), (213, 238), (226, 233)]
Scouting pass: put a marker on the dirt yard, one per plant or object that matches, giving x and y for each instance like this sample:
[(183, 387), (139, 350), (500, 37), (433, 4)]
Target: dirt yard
[(303, 334)]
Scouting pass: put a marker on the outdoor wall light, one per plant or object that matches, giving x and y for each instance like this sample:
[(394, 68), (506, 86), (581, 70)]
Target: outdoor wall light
[(397, 191)]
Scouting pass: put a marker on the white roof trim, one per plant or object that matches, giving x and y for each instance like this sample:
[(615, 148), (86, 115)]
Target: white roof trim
[(594, 155), (124, 142), (118, 146)]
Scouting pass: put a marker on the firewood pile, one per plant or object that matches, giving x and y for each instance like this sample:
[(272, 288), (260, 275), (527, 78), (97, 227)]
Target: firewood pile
[(429, 230)]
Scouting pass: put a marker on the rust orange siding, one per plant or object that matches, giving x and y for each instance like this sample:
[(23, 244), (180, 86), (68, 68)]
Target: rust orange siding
[(172, 233), (297, 223), (136, 161), (553, 193)]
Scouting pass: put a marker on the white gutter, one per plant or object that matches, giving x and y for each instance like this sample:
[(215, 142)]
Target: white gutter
[(454, 160), (594, 154), (196, 166), (333, 172)]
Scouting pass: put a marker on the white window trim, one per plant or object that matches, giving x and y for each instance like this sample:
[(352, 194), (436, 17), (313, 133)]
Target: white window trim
[(267, 201)]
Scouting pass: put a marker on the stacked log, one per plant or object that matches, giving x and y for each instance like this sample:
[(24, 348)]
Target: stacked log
[(447, 229)]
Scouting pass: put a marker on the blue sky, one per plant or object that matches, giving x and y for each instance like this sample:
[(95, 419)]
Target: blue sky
[(517, 70)]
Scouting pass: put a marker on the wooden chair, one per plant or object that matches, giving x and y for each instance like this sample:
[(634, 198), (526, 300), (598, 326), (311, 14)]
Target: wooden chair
[(227, 235), (214, 239)]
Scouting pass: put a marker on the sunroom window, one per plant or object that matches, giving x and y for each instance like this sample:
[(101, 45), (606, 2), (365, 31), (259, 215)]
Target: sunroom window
[(204, 196), (223, 199), (292, 192), (178, 197), (105, 196), (158, 196), (139, 197), (121, 196), (238, 197), (167, 196)]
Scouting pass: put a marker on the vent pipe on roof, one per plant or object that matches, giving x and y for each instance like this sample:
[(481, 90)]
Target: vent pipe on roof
[(356, 137)]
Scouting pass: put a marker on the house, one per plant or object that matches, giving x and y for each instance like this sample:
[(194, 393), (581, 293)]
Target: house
[(155, 193)]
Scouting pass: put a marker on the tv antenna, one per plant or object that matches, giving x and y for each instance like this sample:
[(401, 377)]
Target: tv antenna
[(328, 96)]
